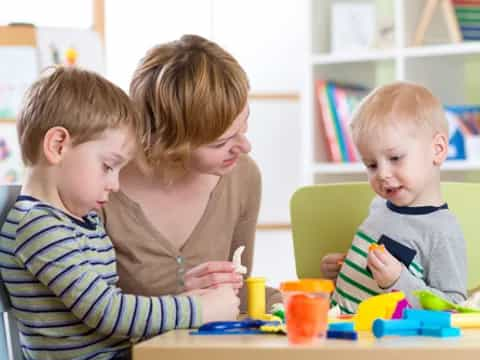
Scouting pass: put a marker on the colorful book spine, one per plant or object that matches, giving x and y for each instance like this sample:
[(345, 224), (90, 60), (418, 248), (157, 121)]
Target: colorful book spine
[(468, 16), (344, 116), (326, 121), (339, 130), (336, 103)]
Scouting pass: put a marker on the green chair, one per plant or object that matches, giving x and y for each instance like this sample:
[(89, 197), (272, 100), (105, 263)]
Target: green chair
[(325, 217)]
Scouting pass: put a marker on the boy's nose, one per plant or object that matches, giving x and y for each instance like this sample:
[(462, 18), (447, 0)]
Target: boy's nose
[(384, 172)]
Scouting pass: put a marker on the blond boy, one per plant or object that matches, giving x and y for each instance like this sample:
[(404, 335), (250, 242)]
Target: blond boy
[(401, 134), (77, 131)]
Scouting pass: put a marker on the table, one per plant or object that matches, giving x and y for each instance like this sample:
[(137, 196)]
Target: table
[(179, 345)]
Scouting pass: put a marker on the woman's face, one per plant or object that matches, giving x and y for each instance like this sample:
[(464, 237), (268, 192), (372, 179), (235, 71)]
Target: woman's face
[(220, 156)]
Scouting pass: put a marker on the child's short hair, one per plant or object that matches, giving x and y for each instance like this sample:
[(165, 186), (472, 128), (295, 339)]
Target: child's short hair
[(188, 93), (398, 103), (84, 103)]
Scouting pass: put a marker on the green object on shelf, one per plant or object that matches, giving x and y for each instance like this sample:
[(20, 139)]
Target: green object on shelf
[(431, 301)]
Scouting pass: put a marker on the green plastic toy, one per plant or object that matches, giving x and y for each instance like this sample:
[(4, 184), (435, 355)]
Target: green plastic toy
[(431, 301)]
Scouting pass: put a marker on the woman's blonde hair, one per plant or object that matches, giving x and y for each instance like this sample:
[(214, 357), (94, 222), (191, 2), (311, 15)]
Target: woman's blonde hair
[(188, 92), (398, 103), (84, 103)]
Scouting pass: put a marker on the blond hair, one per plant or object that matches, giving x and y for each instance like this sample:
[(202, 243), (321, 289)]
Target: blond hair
[(188, 92), (398, 103), (84, 103)]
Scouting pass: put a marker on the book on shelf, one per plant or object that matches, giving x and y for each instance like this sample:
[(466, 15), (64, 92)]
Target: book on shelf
[(468, 17), (464, 125), (336, 103)]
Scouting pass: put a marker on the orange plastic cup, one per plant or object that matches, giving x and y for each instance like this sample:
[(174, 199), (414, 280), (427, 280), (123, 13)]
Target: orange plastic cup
[(306, 308)]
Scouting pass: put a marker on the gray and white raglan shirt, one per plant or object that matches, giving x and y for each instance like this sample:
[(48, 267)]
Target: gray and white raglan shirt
[(429, 242)]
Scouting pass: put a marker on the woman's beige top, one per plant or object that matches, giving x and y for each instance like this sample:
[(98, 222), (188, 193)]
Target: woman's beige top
[(148, 264)]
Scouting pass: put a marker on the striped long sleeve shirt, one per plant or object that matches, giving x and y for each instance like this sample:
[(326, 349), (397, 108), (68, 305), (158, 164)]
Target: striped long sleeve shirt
[(438, 265), (61, 276)]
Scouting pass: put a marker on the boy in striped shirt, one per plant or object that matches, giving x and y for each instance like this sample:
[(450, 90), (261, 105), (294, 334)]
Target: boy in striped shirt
[(77, 130), (401, 133)]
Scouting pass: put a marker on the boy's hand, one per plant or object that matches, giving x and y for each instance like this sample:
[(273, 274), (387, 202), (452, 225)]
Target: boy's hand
[(221, 304), (331, 264), (384, 267), (211, 275)]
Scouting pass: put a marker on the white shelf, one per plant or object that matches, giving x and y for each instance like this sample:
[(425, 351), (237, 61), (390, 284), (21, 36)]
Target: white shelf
[(358, 168), (349, 57), (446, 69), (464, 48), (338, 168)]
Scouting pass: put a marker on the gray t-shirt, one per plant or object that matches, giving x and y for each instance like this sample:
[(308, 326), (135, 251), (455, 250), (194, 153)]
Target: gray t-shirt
[(435, 246)]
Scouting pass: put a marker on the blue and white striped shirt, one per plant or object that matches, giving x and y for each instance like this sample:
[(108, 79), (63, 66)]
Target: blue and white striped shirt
[(61, 275)]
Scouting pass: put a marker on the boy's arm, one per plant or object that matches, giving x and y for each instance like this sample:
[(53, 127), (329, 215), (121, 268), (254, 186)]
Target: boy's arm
[(49, 250), (445, 274)]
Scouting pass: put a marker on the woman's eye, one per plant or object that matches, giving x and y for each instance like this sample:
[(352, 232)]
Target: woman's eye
[(107, 167), (395, 158), (219, 145)]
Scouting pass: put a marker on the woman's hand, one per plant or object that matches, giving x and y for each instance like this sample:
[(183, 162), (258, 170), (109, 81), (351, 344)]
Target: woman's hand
[(211, 275), (331, 264)]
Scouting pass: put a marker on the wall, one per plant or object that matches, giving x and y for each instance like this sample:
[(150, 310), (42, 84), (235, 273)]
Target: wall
[(269, 39)]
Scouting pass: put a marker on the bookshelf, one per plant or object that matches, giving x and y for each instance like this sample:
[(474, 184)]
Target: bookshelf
[(449, 69)]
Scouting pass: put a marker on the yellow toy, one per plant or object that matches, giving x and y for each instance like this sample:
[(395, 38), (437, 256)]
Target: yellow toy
[(71, 56), (256, 297), (377, 307)]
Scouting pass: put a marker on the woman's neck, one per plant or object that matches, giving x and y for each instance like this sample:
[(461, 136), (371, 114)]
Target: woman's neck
[(135, 176)]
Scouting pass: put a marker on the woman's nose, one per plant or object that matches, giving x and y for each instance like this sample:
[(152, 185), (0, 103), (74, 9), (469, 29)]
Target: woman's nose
[(243, 145)]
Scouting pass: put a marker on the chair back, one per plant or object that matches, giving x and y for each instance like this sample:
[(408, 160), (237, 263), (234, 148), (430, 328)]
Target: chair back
[(10, 348), (325, 217)]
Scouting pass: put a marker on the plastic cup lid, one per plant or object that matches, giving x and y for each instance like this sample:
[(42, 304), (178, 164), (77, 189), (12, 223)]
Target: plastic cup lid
[(308, 285)]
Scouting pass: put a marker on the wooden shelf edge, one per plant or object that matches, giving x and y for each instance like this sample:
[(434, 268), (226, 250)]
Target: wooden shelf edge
[(99, 18), (274, 96), (274, 226), (18, 35), (7, 120)]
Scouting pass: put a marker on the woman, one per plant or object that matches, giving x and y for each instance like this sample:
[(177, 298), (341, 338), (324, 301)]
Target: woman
[(192, 197)]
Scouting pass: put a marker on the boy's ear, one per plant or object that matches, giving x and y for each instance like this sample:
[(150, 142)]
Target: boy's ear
[(440, 148), (55, 143)]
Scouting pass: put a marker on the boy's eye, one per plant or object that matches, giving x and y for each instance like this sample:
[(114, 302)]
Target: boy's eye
[(107, 167), (371, 166), (395, 158)]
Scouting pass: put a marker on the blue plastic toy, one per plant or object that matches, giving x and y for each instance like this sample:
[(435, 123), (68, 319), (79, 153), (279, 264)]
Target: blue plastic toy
[(342, 326), (383, 327), (247, 326), (417, 322), (342, 335)]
